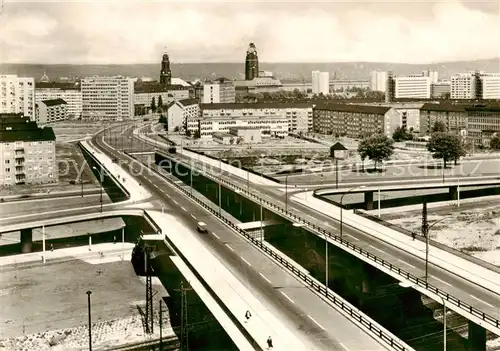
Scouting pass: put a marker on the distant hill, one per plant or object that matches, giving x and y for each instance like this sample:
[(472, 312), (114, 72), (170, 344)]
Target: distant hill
[(284, 71)]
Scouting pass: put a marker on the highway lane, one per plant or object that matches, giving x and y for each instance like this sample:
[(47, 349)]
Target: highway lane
[(476, 296), (306, 313), (35, 206), (412, 170)]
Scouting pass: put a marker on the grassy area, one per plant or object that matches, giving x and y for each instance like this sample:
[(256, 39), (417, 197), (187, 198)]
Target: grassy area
[(46, 306)]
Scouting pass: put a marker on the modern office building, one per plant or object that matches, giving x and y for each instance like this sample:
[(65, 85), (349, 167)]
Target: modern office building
[(251, 63), (464, 86), (107, 98), (49, 111), (165, 72), (490, 86), (27, 152), (378, 81), (320, 82), (412, 87), (354, 121), (73, 98), (440, 90), (298, 115), (17, 95), (219, 91)]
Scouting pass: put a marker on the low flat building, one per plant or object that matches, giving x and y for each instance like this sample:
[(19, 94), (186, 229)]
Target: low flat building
[(298, 115), (145, 92), (354, 121), (257, 85), (223, 138), (49, 111), (246, 135), (440, 90), (27, 152)]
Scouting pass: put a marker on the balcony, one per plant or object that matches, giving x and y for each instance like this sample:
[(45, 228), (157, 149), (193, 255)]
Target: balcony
[(20, 170), (19, 151)]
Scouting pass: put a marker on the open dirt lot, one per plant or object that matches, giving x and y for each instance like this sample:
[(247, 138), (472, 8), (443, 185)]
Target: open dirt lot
[(45, 307), (473, 228)]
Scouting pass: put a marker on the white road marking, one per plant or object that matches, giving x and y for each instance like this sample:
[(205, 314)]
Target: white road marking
[(343, 346), (406, 263), (376, 248), (184, 209), (288, 297), (478, 299), (248, 263), (350, 236), (314, 320), (193, 216), (215, 235), (229, 247), (442, 281), (265, 278), (176, 202)]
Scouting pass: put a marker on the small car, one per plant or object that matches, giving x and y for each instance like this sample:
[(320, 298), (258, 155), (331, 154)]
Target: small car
[(202, 227)]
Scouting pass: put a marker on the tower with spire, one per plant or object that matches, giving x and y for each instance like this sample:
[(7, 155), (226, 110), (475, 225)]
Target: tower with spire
[(165, 73), (251, 63)]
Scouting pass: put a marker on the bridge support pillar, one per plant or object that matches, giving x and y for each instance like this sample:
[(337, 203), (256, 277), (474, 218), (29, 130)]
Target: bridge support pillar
[(26, 240), (477, 337), (369, 200), (453, 192)]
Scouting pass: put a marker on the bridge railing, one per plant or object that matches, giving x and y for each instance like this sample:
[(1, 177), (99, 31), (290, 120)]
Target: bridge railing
[(487, 318), (374, 328)]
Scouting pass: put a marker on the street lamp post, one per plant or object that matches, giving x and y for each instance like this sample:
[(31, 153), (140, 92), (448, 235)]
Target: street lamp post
[(342, 206), (102, 180), (426, 233), (286, 192), (90, 321)]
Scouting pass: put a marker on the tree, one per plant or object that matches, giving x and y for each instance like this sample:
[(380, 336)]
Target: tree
[(447, 146), (439, 127), (401, 134), (377, 148), (160, 103), (495, 142), (163, 119), (153, 105)]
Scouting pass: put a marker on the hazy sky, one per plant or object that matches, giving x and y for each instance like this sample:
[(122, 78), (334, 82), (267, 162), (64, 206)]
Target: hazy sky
[(129, 31)]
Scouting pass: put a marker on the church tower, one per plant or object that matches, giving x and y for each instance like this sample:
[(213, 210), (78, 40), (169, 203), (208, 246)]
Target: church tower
[(251, 63), (165, 73)]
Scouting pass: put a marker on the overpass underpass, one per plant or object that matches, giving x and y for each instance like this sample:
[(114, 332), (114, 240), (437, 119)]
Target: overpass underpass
[(231, 201)]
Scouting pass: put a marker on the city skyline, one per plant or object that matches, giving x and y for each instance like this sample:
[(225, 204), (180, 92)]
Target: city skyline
[(131, 32)]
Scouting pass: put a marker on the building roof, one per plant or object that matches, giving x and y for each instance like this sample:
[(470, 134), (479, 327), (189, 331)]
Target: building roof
[(377, 110), (446, 107), (270, 105), (188, 102), (244, 128), (54, 102), (57, 85), (19, 128), (155, 87), (223, 135)]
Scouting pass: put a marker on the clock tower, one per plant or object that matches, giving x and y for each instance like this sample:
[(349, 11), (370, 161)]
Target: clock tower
[(165, 73), (251, 63)]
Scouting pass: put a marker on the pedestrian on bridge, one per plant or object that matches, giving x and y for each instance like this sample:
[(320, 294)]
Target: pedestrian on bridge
[(247, 315), (413, 235), (269, 343)]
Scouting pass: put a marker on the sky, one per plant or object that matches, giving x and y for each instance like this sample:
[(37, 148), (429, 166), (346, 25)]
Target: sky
[(133, 31)]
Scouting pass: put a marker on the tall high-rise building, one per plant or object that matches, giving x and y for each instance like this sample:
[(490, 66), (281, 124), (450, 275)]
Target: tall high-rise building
[(17, 95), (378, 81), (475, 85), (412, 87), (107, 98), (390, 87), (251, 63), (165, 73), (320, 82), (219, 91), (432, 74)]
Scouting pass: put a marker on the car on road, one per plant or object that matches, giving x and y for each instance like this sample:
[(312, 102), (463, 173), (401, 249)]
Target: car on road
[(202, 227)]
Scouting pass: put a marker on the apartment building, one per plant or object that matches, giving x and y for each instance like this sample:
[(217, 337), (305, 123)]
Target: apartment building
[(73, 98), (490, 86), (180, 112), (49, 111), (412, 87), (378, 81), (27, 152), (219, 91), (107, 98), (354, 121), (298, 115), (320, 82), (17, 95), (464, 86), (453, 116)]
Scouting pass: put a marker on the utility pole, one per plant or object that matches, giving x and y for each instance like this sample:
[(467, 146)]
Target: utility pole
[(161, 323), (184, 318), (149, 292), (425, 233)]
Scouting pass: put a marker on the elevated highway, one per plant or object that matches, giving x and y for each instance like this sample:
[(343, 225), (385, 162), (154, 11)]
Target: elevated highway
[(467, 296)]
